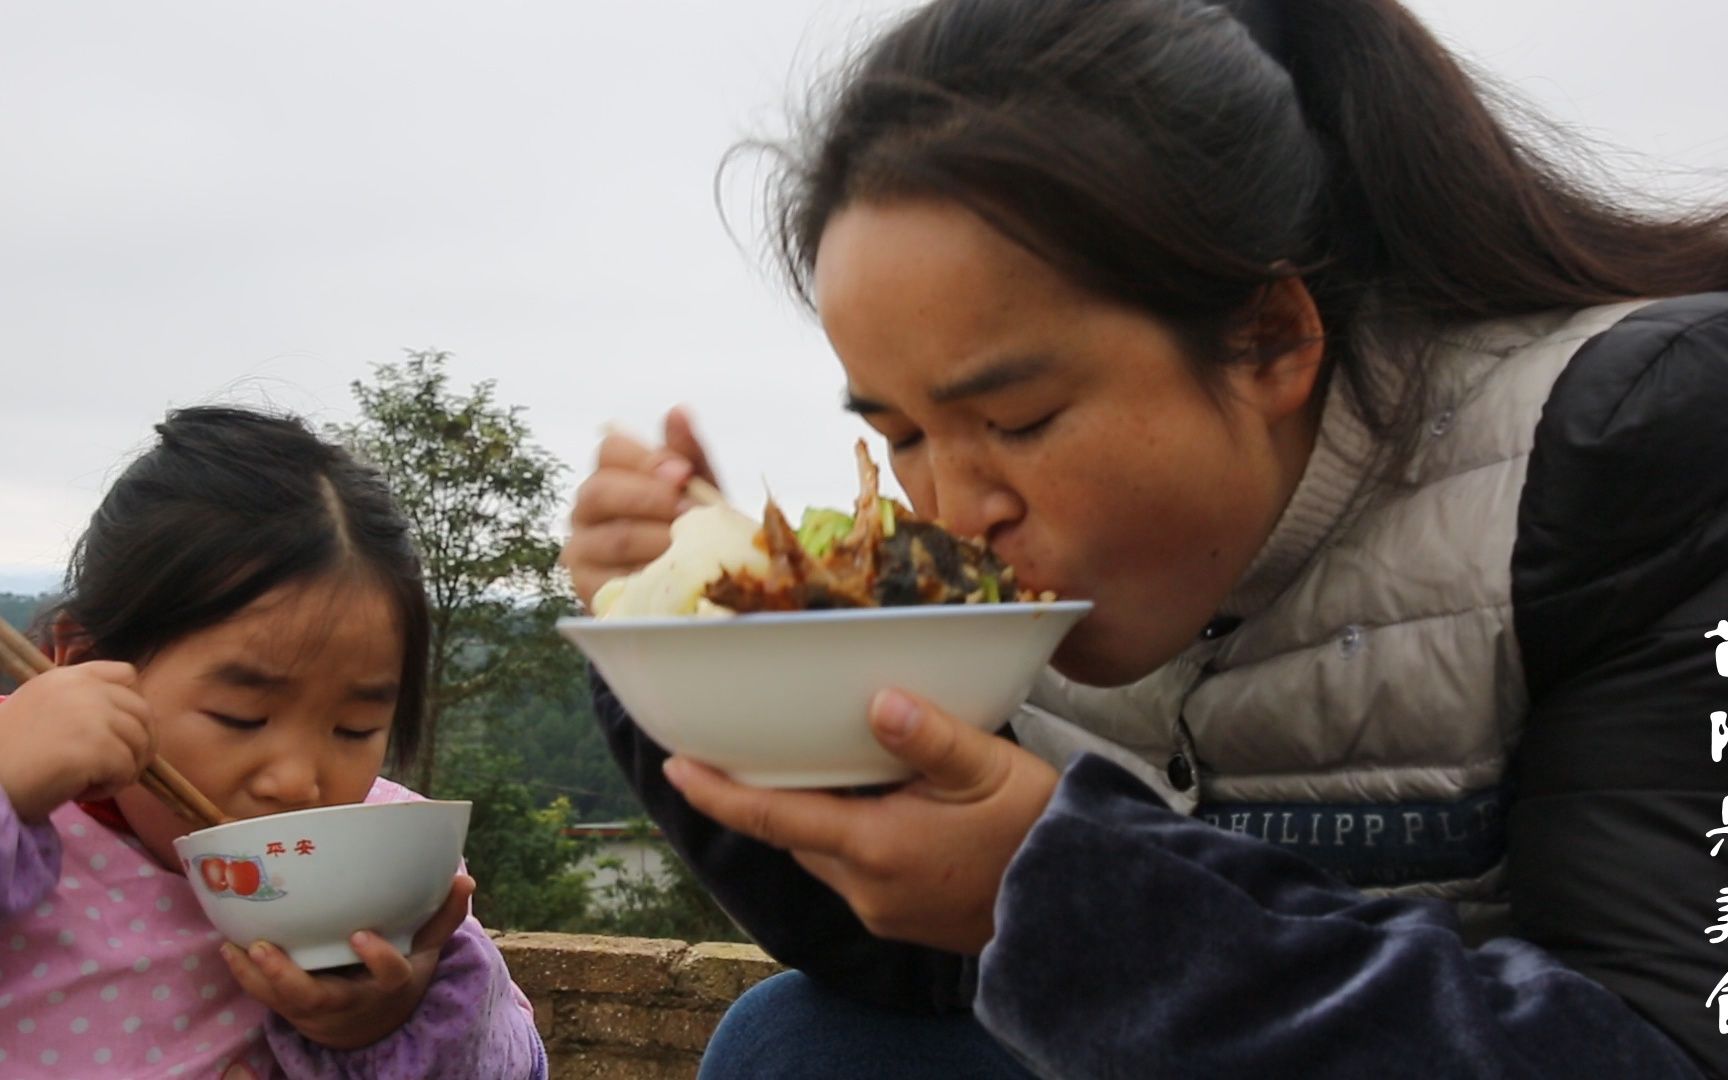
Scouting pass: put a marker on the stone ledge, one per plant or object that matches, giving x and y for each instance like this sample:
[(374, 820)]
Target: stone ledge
[(612, 1008)]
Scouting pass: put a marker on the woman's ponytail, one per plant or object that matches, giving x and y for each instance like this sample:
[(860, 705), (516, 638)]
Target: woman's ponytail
[(1435, 201)]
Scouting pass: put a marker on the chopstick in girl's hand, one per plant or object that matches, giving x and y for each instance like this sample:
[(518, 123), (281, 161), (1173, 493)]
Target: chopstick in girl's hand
[(23, 661), (16, 667)]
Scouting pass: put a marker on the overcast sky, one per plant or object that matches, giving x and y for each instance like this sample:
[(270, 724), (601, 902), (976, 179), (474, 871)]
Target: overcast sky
[(227, 200)]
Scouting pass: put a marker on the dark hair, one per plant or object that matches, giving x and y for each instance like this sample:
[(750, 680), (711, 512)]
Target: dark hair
[(1161, 154), (227, 506)]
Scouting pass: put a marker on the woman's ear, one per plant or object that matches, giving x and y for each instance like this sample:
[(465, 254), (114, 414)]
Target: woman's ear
[(1284, 344), (70, 644)]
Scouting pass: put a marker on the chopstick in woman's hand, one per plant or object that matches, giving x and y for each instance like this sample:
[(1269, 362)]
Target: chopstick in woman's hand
[(702, 493)]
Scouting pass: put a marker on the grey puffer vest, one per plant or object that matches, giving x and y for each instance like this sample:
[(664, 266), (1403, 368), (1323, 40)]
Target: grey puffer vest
[(1363, 710)]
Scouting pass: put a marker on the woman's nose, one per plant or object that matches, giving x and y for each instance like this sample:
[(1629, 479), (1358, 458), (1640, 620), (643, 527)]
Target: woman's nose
[(970, 501)]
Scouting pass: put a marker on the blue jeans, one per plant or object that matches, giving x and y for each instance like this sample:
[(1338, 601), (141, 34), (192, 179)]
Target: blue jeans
[(789, 1027)]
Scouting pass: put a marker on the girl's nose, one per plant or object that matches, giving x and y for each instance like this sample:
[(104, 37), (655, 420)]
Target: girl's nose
[(288, 782)]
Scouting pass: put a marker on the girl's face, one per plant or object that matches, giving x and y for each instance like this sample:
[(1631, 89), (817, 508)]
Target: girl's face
[(1068, 430), (286, 705)]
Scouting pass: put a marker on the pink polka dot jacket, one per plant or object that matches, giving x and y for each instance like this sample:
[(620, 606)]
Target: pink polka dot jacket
[(109, 969)]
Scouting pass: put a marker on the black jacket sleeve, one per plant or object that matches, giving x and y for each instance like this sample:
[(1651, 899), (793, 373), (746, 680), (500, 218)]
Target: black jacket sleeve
[(1620, 568), (795, 918), (1134, 941)]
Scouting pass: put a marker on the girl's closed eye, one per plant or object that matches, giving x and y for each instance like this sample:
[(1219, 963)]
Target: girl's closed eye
[(359, 734), (238, 723)]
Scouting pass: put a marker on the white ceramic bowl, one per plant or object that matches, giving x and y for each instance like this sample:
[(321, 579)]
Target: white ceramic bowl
[(781, 699), (306, 880)]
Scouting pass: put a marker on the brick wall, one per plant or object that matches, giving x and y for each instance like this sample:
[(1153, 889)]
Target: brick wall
[(628, 1008)]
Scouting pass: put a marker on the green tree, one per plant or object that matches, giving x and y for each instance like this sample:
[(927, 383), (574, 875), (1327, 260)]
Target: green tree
[(480, 495), (518, 852), (509, 725)]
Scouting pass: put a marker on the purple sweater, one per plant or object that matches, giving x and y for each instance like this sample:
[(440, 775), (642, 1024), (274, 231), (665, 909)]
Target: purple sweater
[(472, 1022)]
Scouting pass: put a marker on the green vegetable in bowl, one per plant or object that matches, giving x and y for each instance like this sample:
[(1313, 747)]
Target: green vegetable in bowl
[(821, 528), (880, 555)]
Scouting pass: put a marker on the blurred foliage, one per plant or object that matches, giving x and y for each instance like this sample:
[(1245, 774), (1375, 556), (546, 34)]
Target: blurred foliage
[(518, 852), (509, 722), (670, 904), (21, 611)]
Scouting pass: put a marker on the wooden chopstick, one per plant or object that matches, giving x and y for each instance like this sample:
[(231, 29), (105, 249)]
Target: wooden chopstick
[(702, 493), (154, 781), (16, 667), (24, 661)]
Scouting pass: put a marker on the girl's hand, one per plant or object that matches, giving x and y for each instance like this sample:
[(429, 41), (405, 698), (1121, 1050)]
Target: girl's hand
[(920, 864), (349, 1011), (77, 732), (624, 510)]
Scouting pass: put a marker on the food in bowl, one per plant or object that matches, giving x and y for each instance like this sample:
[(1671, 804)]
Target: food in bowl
[(308, 879), (821, 618), (706, 542), (721, 562)]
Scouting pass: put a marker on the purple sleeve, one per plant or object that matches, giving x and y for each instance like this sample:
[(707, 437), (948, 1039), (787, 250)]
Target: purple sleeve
[(29, 861), (472, 1022)]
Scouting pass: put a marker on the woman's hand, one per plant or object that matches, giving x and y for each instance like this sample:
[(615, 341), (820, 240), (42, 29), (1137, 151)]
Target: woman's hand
[(349, 1011), (624, 510), (76, 732), (920, 864)]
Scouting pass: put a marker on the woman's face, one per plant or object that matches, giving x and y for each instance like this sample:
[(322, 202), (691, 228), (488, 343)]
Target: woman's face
[(1068, 430), (286, 705)]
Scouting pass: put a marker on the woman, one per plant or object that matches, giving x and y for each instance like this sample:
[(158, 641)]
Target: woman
[(1379, 445)]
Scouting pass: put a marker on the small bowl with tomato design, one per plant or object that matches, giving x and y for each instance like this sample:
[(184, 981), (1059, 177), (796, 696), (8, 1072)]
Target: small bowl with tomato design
[(307, 880)]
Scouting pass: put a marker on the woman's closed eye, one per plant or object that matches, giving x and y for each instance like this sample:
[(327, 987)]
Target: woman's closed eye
[(358, 734), (895, 431), (1026, 431)]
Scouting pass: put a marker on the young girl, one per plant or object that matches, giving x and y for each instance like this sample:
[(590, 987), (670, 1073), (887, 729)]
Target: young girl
[(248, 602), (1390, 459)]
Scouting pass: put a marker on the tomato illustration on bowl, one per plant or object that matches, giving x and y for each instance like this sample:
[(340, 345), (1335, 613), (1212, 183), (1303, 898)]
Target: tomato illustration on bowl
[(214, 871), (244, 877), (238, 876)]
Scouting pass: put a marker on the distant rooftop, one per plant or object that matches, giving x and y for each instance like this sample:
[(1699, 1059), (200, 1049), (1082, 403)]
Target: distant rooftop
[(611, 829)]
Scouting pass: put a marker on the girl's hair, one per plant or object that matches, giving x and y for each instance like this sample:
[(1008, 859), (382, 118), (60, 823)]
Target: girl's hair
[(227, 506), (1178, 155)]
